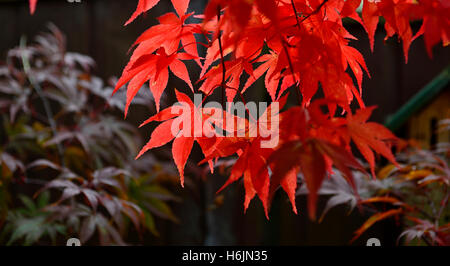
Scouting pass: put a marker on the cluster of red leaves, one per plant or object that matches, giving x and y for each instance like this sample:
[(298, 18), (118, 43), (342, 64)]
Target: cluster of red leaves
[(307, 45)]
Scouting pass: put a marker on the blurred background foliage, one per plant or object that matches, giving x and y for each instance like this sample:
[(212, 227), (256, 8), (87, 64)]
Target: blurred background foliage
[(415, 194), (66, 154)]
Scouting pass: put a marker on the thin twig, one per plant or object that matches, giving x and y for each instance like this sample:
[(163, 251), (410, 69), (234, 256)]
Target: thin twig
[(40, 93), (243, 101), (221, 58), (285, 45), (426, 241), (291, 66), (295, 12), (314, 12), (444, 203)]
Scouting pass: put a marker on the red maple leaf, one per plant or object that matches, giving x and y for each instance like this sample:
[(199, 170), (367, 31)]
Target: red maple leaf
[(32, 6), (153, 67), (156, 36), (312, 159), (271, 79), (185, 117), (315, 153), (233, 71), (252, 163), (370, 136), (397, 16), (436, 23), (238, 12), (145, 5), (370, 17)]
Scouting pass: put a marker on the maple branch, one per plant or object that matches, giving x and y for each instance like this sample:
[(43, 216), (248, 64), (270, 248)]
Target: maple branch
[(426, 241), (209, 93), (444, 203), (291, 66), (314, 12), (295, 12), (243, 101), (191, 43), (222, 59), (286, 44), (424, 213), (203, 32)]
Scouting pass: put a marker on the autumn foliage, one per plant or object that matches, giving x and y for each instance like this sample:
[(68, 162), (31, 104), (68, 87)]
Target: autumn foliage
[(297, 46)]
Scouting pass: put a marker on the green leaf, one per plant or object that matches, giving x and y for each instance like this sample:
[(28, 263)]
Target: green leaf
[(29, 204), (43, 199), (150, 223), (160, 208)]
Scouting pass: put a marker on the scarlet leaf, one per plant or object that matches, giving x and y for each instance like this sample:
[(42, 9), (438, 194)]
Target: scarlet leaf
[(145, 5), (159, 137), (32, 6), (284, 171), (186, 116), (373, 219), (153, 68), (370, 17), (312, 165), (234, 70), (370, 136), (435, 25), (180, 6), (289, 184), (181, 149)]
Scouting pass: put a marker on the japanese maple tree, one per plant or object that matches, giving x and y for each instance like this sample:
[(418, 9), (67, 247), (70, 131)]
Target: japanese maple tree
[(298, 47)]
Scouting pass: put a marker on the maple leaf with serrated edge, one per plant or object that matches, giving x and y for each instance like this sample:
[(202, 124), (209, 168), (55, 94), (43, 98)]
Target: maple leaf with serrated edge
[(252, 166), (32, 6), (234, 70), (301, 134), (370, 18), (369, 136), (156, 37), (179, 124), (436, 24), (376, 218), (252, 162), (238, 12), (145, 5), (321, 56), (271, 81), (349, 9), (397, 16), (312, 156), (155, 68), (356, 63)]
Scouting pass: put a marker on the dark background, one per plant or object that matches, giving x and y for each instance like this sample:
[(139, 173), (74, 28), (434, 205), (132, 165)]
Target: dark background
[(95, 28)]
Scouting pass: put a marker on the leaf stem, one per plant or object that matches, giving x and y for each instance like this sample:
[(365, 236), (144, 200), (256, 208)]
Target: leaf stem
[(291, 66), (295, 12), (314, 12), (221, 58)]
